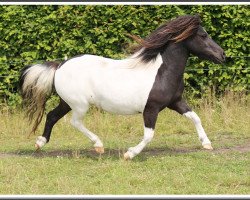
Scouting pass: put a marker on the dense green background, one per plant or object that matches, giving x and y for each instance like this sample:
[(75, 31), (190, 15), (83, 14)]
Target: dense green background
[(33, 33)]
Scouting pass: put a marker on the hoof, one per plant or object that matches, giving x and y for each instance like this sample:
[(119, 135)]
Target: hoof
[(126, 156), (208, 146), (99, 150), (37, 147), (129, 155), (40, 142)]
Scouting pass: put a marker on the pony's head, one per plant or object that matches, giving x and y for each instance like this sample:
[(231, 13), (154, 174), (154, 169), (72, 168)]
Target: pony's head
[(203, 46), (186, 30)]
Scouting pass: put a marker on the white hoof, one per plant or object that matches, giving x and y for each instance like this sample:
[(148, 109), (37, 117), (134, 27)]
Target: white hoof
[(207, 146), (129, 155), (126, 156), (99, 147), (99, 150), (40, 142)]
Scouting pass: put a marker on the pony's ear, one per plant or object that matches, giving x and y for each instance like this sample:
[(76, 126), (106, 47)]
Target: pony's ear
[(198, 16)]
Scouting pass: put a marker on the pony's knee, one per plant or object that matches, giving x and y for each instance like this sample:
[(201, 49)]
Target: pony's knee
[(196, 118), (193, 116)]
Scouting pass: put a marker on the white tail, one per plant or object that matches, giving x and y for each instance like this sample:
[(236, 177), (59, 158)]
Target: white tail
[(36, 84)]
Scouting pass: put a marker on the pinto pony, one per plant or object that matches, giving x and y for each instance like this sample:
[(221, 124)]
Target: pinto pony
[(146, 82)]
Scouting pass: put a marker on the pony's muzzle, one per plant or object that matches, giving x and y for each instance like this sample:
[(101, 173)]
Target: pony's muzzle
[(223, 56), (219, 57)]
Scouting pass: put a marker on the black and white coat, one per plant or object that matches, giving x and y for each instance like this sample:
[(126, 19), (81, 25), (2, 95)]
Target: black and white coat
[(143, 83)]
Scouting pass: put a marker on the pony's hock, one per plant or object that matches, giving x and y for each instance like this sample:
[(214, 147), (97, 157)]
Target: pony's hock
[(148, 81)]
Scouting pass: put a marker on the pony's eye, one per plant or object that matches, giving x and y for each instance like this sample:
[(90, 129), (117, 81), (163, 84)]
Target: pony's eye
[(204, 35)]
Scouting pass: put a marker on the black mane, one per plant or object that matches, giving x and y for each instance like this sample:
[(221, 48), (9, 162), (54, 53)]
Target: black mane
[(175, 30)]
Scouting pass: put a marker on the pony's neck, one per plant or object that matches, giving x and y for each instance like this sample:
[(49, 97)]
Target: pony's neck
[(175, 58)]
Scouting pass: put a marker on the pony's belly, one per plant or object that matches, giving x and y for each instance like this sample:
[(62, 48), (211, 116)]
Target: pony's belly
[(121, 105), (122, 94)]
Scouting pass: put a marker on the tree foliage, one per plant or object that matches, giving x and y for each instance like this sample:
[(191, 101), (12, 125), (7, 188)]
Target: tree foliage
[(33, 33)]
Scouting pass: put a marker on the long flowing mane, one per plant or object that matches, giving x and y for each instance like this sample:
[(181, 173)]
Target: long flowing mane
[(175, 30)]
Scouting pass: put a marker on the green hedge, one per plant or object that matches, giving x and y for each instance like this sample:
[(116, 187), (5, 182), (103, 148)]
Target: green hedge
[(32, 33)]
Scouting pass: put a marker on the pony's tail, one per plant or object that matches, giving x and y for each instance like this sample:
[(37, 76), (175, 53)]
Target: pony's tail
[(36, 85)]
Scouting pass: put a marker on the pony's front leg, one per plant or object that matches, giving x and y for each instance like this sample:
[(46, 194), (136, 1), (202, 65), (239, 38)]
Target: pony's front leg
[(200, 130), (150, 118), (182, 108)]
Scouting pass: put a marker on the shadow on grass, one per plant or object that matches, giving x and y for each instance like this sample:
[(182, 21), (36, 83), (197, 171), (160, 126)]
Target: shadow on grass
[(117, 154), (87, 153)]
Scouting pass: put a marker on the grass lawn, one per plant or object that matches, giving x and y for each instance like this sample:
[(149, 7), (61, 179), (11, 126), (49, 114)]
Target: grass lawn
[(173, 163)]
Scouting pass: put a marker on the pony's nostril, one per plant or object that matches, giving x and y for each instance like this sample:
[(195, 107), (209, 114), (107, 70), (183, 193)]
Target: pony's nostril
[(223, 56)]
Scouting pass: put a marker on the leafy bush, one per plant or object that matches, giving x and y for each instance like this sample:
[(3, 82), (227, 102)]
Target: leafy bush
[(33, 33)]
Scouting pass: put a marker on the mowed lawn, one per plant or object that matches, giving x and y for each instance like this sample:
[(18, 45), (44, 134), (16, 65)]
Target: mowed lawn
[(173, 163)]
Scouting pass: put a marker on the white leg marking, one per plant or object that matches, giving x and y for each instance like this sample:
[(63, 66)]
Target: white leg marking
[(133, 151), (40, 142), (201, 133), (76, 122)]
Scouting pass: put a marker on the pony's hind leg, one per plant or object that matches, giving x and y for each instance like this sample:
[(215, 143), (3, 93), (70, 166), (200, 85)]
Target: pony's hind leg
[(182, 108), (52, 117), (76, 121)]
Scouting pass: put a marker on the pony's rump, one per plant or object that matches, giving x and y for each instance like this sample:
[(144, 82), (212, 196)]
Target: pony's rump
[(36, 84)]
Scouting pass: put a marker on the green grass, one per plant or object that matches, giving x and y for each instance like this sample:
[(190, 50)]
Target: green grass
[(173, 163)]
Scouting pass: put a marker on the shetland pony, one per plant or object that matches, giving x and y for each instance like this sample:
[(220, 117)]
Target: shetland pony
[(144, 83)]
